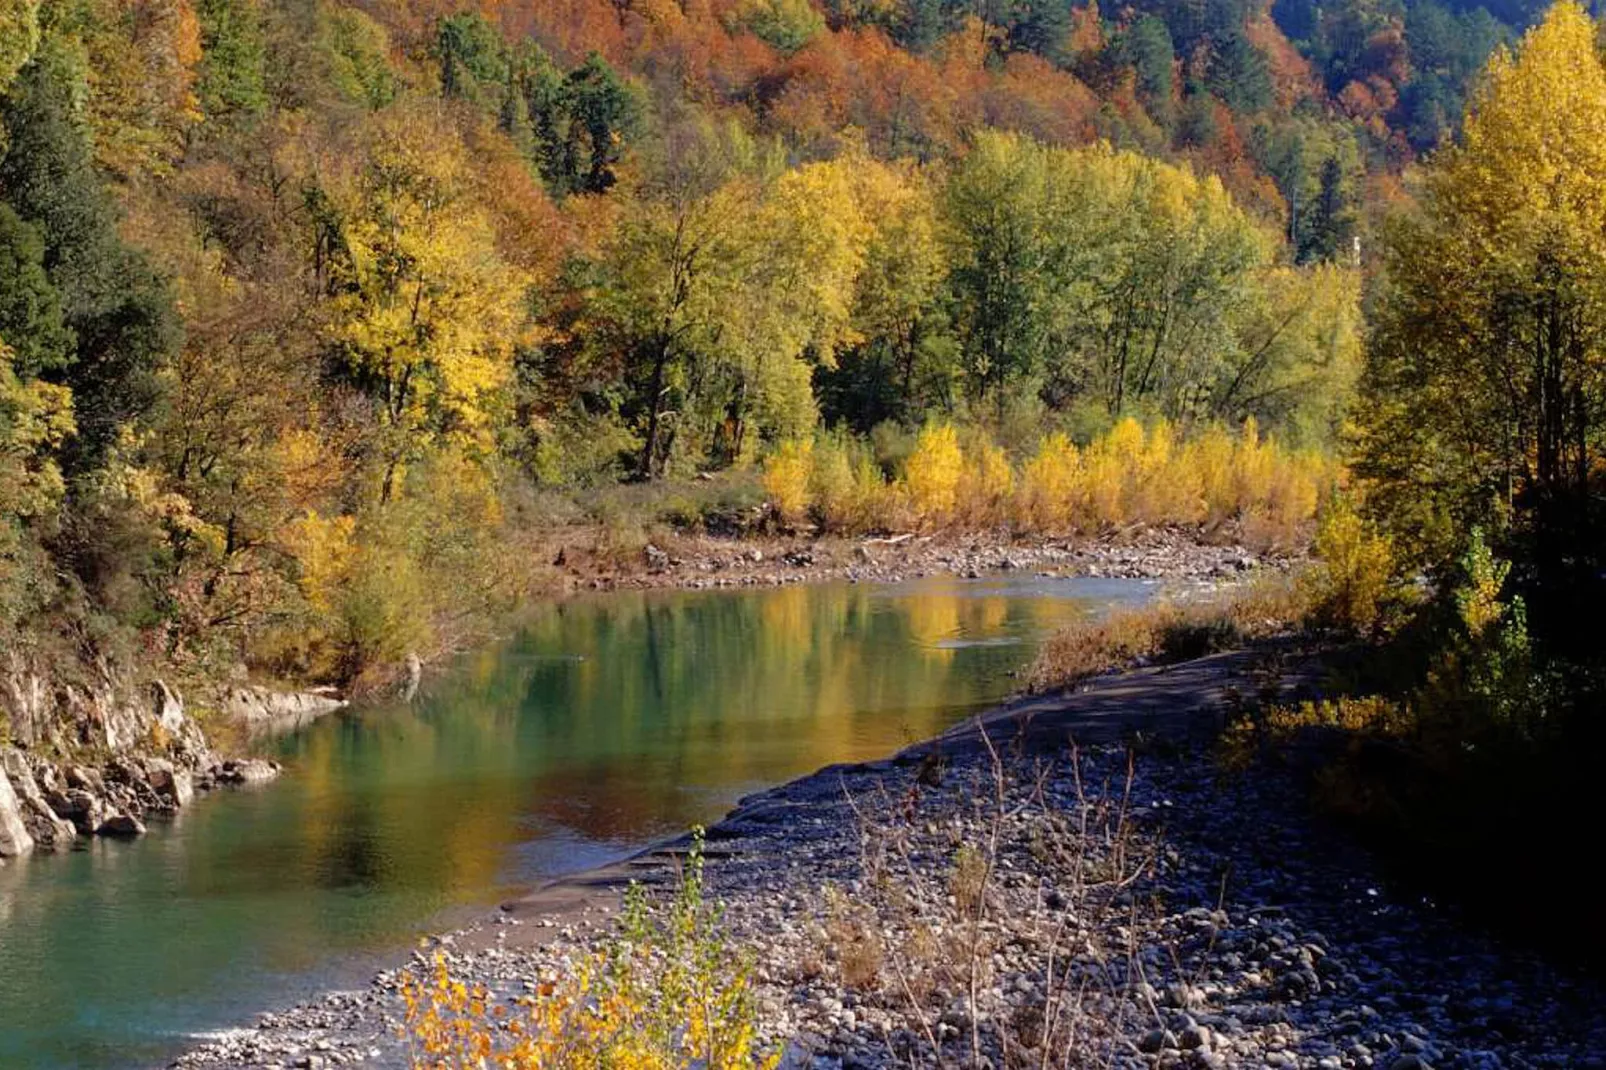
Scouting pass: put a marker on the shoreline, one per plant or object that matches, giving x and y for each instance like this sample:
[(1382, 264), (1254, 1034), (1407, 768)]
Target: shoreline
[(1267, 999), (104, 757)]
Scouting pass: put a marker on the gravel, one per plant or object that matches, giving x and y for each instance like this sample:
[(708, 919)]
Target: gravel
[(1135, 912)]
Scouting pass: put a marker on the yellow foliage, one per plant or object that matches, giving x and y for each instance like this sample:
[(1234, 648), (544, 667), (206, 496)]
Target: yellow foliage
[(323, 549), (1129, 476), (1050, 489), (932, 473), (986, 484), (668, 995), (787, 473), (1356, 568)]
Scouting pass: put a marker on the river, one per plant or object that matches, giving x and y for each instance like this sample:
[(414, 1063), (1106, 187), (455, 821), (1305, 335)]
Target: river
[(603, 724)]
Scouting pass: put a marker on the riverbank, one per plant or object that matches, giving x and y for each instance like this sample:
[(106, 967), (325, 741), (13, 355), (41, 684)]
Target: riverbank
[(1156, 914)]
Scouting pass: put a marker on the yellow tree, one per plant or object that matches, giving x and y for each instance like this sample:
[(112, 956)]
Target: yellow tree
[(1484, 387), (34, 419), (19, 36), (426, 313)]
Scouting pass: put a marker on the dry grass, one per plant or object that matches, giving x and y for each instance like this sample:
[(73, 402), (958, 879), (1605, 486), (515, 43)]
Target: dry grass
[(1170, 631), (1019, 952)]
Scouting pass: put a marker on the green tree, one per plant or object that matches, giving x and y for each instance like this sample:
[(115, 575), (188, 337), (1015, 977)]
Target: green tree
[(119, 310), (30, 308), (473, 57), (232, 74)]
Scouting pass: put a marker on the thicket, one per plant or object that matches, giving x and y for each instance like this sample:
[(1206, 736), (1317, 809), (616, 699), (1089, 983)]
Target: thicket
[(1128, 476)]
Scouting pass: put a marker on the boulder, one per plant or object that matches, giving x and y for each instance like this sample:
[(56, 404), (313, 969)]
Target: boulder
[(14, 837), (173, 786), (123, 826), (49, 832), (247, 771), (266, 712), (84, 809)]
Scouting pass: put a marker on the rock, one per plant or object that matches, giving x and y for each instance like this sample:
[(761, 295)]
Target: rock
[(1195, 1036), (265, 712), (49, 832), (1409, 1061), (15, 839), (656, 558), (85, 779), (1156, 1040), (247, 771), (122, 826), (84, 809), (174, 785)]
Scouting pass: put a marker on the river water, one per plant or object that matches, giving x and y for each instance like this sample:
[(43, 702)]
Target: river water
[(604, 724)]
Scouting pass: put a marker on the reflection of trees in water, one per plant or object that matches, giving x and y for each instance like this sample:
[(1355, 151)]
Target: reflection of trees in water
[(622, 717)]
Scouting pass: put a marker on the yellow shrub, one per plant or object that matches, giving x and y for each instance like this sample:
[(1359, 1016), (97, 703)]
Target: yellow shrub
[(1355, 570), (670, 994), (986, 484), (786, 478), (932, 473), (323, 549), (1049, 493)]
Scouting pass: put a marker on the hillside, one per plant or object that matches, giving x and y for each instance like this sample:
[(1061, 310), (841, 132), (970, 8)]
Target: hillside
[(305, 306)]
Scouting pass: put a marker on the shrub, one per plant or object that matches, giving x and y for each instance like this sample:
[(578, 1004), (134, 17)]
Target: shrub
[(786, 478), (1354, 572), (1050, 488), (669, 994), (932, 473)]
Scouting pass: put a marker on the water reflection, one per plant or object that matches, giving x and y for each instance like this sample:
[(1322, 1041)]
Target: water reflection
[(602, 725)]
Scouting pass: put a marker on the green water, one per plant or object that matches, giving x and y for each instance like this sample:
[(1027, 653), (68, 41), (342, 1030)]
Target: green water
[(603, 725)]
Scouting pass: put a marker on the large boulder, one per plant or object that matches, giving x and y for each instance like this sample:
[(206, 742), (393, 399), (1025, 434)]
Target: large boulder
[(14, 837), (265, 712), (247, 771), (175, 786), (49, 832), (121, 826)]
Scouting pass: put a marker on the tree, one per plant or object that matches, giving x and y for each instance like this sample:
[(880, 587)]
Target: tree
[(473, 57), (232, 74), (1239, 74), (425, 313), (119, 310), (34, 419), (1485, 387), (30, 308), (19, 36)]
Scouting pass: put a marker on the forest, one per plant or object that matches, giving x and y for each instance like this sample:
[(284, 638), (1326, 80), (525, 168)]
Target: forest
[(311, 312)]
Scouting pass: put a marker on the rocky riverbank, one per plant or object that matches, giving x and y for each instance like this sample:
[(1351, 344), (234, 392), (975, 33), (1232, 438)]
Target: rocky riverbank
[(704, 562), (104, 759), (1028, 900)]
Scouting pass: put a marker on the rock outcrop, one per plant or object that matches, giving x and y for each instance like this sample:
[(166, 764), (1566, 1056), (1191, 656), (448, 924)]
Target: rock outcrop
[(265, 712), (14, 836)]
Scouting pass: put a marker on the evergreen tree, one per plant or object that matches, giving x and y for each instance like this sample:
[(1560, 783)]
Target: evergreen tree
[(118, 308), (30, 308)]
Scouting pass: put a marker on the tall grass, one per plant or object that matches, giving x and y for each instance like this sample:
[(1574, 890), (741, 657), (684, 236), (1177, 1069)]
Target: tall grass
[(1132, 475)]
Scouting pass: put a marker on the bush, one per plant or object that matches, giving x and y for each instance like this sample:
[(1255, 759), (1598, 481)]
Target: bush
[(669, 993), (1129, 475), (932, 474), (1354, 576), (787, 473)]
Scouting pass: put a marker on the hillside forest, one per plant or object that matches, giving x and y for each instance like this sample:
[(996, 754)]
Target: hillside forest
[(311, 312)]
